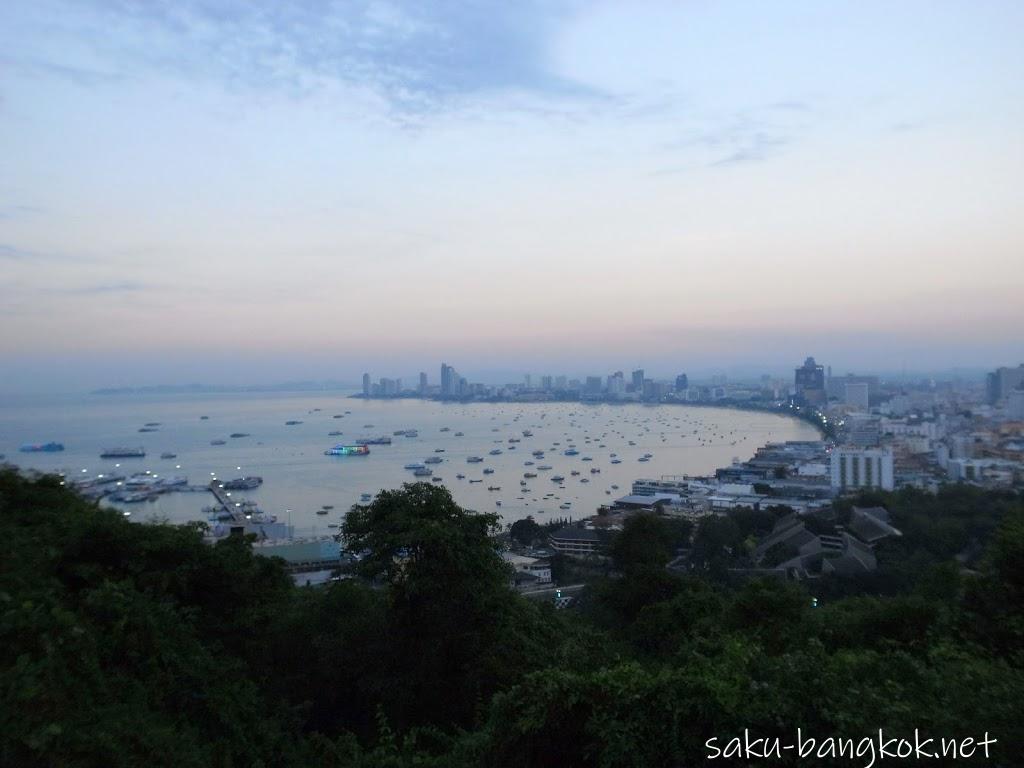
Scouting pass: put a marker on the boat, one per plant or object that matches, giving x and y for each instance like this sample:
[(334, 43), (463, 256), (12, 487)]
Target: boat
[(643, 458), (616, 461), (331, 506), (586, 458), (348, 450), (203, 418), (366, 496), (567, 505), (493, 487), (151, 424), (218, 442), (168, 455), (557, 478), (495, 452), (595, 471), (574, 472), (539, 454), (476, 481), (148, 429), (433, 460), (584, 479), (527, 433), (398, 433), (445, 429), (243, 484), (544, 467), (474, 460), (460, 476), (123, 453), (321, 511), (435, 479), (42, 448), (571, 452), (529, 474), (527, 463), (335, 433), (382, 440), (239, 434), (424, 472), (459, 434), (414, 465), (292, 422), (488, 471), (411, 433), (439, 450)]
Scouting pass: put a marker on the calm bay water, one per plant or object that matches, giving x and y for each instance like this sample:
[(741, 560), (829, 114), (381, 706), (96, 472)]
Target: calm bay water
[(299, 478)]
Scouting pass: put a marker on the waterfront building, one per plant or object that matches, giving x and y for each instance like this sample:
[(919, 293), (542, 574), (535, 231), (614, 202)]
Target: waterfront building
[(682, 382), (366, 385), (862, 468), (638, 380), (423, 383)]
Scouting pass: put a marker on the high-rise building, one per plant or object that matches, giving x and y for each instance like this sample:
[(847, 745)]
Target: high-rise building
[(856, 395), (560, 382), (857, 468), (593, 385), (423, 383), (809, 382), (682, 382), (1002, 381), (449, 381), (366, 385), (545, 383), (638, 380)]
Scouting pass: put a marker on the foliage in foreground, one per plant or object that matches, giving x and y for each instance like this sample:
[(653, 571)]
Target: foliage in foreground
[(139, 644)]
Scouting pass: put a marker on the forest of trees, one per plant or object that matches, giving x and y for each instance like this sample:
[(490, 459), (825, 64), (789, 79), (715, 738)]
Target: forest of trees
[(127, 644)]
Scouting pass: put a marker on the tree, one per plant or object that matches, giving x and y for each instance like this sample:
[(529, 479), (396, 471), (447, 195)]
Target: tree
[(526, 531)]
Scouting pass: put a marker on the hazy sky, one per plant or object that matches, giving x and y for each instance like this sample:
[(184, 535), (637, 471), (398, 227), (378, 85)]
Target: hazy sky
[(260, 191)]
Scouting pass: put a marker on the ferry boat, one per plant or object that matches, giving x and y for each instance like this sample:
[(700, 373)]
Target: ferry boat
[(42, 447), (123, 453), (424, 472), (243, 483), (382, 440), (348, 450)]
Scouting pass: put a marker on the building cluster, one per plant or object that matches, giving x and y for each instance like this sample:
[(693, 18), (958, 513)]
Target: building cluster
[(877, 436)]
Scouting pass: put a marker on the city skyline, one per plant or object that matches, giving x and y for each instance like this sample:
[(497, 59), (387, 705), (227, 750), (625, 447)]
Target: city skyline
[(192, 194)]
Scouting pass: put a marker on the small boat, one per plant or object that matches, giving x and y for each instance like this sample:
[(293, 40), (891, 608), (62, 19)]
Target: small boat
[(474, 460), (366, 496), (331, 506), (529, 474), (488, 471), (239, 434), (218, 442), (460, 476), (292, 422), (445, 429), (459, 434), (423, 472), (476, 481), (335, 433), (151, 424), (557, 478), (168, 455), (203, 418), (433, 460), (496, 452), (493, 487), (574, 472), (148, 429), (414, 465), (321, 511), (436, 479)]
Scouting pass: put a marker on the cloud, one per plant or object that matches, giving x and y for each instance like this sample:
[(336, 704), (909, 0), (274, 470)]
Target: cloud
[(415, 57), (17, 253), (100, 289)]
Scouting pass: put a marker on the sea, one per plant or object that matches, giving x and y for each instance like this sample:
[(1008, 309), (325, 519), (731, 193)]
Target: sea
[(299, 479)]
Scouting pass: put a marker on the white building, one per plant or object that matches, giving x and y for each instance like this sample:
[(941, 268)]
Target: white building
[(857, 468)]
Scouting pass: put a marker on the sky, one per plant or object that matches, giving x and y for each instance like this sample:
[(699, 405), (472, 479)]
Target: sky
[(256, 191)]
